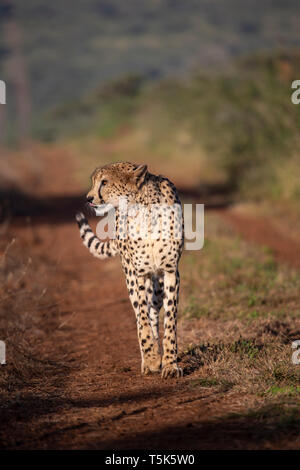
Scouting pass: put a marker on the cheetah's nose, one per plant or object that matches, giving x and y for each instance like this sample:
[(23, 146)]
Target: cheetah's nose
[(90, 199)]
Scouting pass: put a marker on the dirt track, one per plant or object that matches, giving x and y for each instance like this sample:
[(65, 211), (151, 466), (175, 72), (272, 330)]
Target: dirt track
[(102, 401)]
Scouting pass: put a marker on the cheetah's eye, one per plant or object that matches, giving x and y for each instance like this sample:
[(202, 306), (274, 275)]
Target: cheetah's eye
[(104, 182)]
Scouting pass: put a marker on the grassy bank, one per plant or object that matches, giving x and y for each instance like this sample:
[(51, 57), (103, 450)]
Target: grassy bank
[(239, 313)]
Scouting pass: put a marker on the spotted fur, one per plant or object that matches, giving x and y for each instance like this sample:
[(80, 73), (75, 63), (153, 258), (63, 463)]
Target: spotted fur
[(150, 265)]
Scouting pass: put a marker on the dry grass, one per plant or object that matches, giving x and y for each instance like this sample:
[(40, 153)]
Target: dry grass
[(29, 317), (231, 279), (239, 316)]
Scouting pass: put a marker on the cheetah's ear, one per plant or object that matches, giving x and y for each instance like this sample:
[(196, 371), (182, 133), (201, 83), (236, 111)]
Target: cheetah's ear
[(140, 173)]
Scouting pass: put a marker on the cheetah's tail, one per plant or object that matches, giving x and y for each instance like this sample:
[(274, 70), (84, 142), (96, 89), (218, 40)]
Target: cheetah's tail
[(98, 248)]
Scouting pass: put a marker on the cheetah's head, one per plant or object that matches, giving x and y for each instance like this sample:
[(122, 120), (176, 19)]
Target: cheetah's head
[(114, 181)]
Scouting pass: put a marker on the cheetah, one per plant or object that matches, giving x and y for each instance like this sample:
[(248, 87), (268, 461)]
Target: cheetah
[(150, 263)]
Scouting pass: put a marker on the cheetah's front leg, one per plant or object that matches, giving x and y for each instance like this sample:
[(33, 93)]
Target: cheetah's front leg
[(149, 345), (151, 358), (169, 360)]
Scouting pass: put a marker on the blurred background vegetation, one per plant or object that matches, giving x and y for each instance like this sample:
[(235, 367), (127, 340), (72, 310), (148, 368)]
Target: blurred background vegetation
[(201, 89)]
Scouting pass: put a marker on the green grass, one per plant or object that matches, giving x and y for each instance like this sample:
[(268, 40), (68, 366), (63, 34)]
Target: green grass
[(231, 279), (290, 390)]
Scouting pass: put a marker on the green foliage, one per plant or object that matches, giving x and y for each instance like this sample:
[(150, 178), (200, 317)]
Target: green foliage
[(240, 123), (70, 46), (101, 113), (244, 120)]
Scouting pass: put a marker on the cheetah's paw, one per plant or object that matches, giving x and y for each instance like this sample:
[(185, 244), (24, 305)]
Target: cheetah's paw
[(151, 366), (171, 370)]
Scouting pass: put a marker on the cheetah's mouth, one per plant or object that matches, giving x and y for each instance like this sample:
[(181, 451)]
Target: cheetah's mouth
[(101, 209)]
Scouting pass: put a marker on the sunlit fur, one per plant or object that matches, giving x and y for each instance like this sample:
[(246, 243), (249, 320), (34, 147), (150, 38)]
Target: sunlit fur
[(150, 266)]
